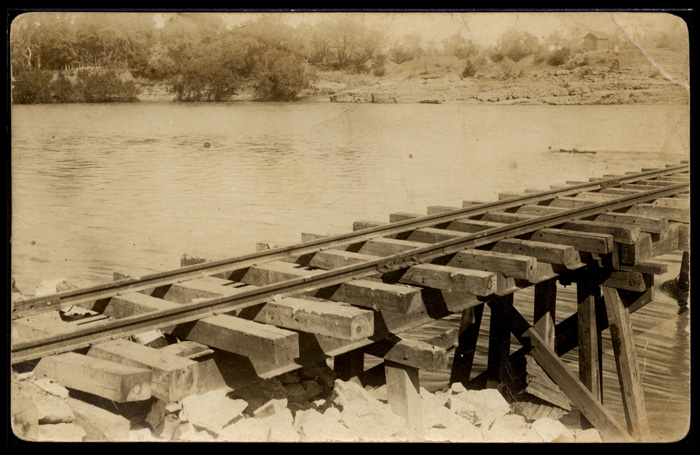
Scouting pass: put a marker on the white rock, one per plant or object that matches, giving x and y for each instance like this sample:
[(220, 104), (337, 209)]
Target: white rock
[(270, 408), (142, 434), (213, 410), (52, 410), (590, 435), (457, 387), (550, 429), (480, 407), (313, 426), (61, 432), (52, 387), (511, 428)]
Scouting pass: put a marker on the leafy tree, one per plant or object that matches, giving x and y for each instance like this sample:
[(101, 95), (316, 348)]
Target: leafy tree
[(458, 46), (30, 86), (516, 44), (104, 85), (279, 76), (559, 56)]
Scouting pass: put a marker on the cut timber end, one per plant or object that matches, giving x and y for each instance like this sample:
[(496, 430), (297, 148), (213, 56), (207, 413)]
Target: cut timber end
[(173, 377), (550, 253), (460, 280), (380, 296), (322, 318), (114, 381), (247, 338), (510, 265)]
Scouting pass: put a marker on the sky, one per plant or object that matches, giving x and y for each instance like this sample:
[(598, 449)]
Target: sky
[(483, 28)]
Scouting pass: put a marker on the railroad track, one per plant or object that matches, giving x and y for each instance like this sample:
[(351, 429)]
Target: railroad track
[(369, 289)]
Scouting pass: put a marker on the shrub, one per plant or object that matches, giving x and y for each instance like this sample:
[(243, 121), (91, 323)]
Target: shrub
[(379, 71), (279, 76), (31, 87), (469, 70), (559, 56), (104, 85), (62, 89)]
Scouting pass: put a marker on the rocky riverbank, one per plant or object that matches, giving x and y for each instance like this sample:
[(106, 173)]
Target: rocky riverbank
[(309, 405)]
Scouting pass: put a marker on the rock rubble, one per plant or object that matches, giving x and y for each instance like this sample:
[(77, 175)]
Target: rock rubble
[(309, 405)]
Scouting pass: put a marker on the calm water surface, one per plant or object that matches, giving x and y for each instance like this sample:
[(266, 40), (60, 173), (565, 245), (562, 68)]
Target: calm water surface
[(132, 187)]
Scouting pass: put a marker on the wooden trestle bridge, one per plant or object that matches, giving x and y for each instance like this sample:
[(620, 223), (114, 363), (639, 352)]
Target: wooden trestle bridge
[(369, 291)]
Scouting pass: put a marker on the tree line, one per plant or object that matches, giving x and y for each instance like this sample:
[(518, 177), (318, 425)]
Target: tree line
[(59, 57)]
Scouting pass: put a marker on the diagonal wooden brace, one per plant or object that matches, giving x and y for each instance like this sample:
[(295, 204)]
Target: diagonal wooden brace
[(627, 365), (555, 367)]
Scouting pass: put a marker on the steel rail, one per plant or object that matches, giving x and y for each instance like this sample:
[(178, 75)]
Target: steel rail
[(131, 325), (63, 299)]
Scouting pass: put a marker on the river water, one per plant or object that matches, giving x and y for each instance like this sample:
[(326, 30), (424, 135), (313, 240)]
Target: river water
[(133, 187), (98, 188)]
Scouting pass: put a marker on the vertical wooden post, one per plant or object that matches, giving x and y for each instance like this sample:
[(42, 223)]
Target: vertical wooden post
[(466, 348), (589, 339), (499, 339), (545, 310), (403, 392), (349, 364), (627, 365)]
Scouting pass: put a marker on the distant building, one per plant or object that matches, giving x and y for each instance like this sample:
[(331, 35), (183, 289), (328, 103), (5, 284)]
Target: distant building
[(596, 41)]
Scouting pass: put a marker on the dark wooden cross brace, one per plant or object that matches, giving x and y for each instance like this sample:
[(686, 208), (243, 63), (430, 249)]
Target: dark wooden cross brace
[(599, 307)]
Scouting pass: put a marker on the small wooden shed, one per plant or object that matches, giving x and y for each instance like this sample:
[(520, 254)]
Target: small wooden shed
[(596, 41)]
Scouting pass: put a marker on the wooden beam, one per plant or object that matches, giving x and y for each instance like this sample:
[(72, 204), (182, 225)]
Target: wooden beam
[(549, 253), (111, 380), (349, 364), (644, 223), (432, 210), (622, 234), (499, 340), (620, 191), (403, 216), (124, 305), (332, 259), (323, 318), (471, 226), (433, 235), (248, 338), (545, 310), (469, 327), (275, 272), (672, 202), (173, 377), (577, 392), (652, 268), (203, 288), (511, 265), (538, 210), (475, 282), (590, 353), (410, 352), (386, 246), (569, 202), (376, 295), (403, 393), (630, 281), (505, 217), (595, 197), (366, 224), (627, 365), (581, 241)]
